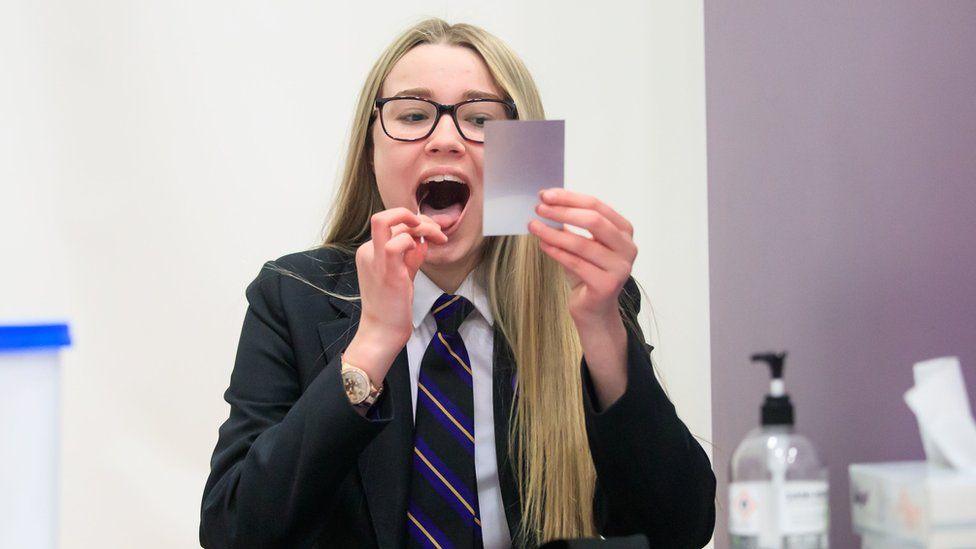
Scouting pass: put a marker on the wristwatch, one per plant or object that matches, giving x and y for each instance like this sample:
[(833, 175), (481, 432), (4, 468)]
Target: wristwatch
[(359, 388)]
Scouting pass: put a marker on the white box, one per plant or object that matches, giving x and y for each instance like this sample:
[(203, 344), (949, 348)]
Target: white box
[(913, 504)]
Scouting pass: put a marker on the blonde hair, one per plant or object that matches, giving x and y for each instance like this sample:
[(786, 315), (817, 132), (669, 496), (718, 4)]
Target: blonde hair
[(553, 467)]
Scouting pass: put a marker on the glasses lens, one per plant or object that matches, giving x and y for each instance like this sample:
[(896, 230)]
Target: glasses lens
[(472, 117), (408, 118)]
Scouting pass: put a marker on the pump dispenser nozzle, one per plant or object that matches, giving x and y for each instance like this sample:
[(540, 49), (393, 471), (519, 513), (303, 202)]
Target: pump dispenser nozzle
[(777, 409), (775, 361)]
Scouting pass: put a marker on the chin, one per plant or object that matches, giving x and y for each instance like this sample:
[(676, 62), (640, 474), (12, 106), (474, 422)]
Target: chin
[(454, 251), (445, 254)]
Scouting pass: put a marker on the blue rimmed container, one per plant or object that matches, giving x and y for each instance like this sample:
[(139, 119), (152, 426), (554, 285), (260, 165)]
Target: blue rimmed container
[(30, 433)]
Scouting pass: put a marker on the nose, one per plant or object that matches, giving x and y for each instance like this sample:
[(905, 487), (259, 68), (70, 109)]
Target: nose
[(445, 137)]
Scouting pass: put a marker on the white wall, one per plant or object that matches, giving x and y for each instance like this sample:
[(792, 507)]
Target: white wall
[(154, 154)]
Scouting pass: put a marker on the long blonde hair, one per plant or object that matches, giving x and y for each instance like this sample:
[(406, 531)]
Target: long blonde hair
[(553, 466)]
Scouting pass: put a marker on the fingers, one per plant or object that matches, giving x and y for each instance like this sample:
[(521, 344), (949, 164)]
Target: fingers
[(564, 197), (603, 262), (414, 258), (432, 228), (404, 243), (582, 269), (396, 246), (579, 246), (395, 239), (381, 222), (427, 228), (602, 229)]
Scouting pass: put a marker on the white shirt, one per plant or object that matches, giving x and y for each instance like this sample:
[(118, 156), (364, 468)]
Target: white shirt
[(476, 331)]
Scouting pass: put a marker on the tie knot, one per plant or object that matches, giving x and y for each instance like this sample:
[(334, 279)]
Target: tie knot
[(450, 311)]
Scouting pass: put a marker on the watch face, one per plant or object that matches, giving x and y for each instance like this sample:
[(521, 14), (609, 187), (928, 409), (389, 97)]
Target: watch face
[(356, 385)]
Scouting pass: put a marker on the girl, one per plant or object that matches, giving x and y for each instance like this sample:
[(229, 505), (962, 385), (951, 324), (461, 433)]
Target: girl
[(412, 382)]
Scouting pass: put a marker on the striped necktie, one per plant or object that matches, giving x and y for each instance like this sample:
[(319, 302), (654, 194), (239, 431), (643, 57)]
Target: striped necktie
[(443, 508)]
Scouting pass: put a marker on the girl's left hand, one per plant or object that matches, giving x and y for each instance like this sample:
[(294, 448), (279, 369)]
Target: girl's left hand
[(597, 267)]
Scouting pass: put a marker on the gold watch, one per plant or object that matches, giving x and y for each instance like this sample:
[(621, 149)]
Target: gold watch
[(359, 388)]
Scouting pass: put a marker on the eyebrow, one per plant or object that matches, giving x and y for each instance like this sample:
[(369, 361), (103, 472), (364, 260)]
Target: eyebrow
[(425, 92)]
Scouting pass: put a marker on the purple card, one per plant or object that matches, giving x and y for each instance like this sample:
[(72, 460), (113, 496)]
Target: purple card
[(521, 158)]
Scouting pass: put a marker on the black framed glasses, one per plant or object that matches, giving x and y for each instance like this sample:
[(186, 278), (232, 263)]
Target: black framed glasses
[(414, 118)]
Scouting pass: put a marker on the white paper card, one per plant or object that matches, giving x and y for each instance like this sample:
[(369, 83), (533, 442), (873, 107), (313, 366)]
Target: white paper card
[(522, 157)]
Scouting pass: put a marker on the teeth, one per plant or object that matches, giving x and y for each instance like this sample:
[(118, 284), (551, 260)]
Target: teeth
[(444, 177)]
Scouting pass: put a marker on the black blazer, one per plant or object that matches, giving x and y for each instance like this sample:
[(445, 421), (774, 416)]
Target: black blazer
[(296, 466)]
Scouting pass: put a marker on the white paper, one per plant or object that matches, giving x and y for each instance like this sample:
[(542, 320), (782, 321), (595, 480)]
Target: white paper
[(941, 406)]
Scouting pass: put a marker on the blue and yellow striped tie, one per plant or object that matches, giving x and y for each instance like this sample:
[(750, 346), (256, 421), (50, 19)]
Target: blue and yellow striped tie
[(443, 508)]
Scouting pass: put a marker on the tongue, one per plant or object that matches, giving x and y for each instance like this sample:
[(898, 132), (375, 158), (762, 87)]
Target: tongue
[(444, 217)]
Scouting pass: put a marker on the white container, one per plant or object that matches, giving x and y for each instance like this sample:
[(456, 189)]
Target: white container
[(30, 406)]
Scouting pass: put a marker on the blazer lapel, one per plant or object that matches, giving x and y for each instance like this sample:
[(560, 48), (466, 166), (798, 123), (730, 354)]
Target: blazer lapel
[(503, 378), (384, 464)]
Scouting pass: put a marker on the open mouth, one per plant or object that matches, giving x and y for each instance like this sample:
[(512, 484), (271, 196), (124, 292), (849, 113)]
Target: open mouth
[(443, 201)]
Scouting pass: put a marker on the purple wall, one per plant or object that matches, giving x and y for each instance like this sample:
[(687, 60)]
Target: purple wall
[(842, 218)]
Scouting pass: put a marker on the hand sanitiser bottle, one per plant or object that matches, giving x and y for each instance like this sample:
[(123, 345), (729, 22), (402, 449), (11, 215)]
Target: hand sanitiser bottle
[(778, 489)]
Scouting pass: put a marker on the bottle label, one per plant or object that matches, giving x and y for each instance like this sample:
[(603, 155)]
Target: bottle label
[(757, 509)]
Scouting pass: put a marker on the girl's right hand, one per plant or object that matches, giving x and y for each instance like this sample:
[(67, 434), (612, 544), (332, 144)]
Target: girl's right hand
[(386, 266)]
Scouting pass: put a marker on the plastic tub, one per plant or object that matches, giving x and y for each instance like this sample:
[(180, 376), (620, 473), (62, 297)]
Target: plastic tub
[(30, 406)]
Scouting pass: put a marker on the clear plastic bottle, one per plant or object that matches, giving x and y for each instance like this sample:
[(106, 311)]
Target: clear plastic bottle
[(778, 495)]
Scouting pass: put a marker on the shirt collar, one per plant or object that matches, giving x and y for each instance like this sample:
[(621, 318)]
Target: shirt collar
[(425, 293)]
